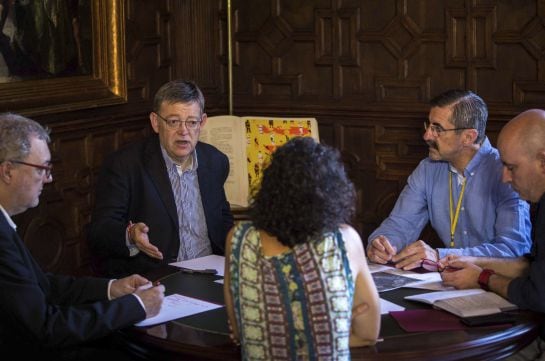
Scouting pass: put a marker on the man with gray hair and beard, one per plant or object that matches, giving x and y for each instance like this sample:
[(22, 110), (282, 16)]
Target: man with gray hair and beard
[(458, 189)]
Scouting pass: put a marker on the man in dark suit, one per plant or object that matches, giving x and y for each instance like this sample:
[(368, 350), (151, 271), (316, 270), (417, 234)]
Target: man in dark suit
[(162, 200), (45, 316)]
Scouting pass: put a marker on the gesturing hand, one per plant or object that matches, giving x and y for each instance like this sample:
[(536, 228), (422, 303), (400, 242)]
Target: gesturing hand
[(138, 235)]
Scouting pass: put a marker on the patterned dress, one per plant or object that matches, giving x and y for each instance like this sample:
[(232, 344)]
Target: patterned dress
[(294, 306)]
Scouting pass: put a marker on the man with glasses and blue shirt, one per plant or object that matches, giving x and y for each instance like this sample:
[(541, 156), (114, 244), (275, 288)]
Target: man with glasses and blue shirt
[(162, 200), (458, 189)]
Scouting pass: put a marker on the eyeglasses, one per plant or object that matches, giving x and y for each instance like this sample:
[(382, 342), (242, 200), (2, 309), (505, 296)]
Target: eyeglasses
[(436, 130), (46, 169), (434, 266), (189, 123)]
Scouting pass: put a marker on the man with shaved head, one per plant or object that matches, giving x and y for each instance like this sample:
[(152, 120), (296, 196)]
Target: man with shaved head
[(521, 280)]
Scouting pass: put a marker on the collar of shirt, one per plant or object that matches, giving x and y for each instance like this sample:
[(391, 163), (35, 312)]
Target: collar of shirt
[(191, 164), (471, 168), (459, 177), (10, 221), (474, 163)]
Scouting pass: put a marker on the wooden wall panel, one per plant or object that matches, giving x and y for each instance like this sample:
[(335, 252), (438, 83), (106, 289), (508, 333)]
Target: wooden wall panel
[(55, 230), (365, 69)]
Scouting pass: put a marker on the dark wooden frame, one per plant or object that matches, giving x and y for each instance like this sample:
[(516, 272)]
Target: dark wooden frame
[(107, 84)]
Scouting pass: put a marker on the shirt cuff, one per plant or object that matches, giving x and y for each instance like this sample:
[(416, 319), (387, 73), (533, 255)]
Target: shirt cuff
[(139, 301), (109, 288), (133, 250), (443, 252)]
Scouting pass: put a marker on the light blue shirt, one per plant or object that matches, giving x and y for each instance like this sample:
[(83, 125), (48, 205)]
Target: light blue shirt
[(493, 220), (194, 241)]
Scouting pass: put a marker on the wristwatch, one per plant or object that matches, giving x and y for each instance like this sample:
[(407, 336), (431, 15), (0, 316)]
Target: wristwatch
[(484, 277)]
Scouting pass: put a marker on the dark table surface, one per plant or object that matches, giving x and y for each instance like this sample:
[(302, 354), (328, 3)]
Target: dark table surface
[(205, 336)]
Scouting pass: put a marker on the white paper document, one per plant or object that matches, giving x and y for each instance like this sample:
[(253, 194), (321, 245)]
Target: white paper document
[(177, 306), (387, 306), (207, 262), (465, 303), (377, 267)]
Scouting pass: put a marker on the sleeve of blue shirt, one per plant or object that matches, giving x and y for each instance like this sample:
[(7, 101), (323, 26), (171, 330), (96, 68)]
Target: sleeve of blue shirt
[(410, 213), (494, 221)]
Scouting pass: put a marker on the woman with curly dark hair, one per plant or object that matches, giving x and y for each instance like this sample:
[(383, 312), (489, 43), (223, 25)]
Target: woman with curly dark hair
[(294, 272)]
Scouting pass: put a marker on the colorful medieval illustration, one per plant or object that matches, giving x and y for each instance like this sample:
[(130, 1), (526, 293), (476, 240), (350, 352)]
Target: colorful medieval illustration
[(263, 136)]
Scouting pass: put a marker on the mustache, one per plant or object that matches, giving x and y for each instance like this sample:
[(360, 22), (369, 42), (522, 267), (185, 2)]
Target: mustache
[(432, 144)]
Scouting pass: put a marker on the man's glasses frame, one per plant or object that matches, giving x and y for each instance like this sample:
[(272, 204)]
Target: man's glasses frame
[(436, 130), (190, 124), (45, 168)]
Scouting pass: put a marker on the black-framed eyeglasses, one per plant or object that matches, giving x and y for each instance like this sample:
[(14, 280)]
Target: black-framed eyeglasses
[(436, 130), (434, 266), (46, 169), (190, 123)]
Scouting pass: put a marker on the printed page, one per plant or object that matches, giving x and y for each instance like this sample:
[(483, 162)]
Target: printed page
[(377, 267), (226, 132), (265, 134), (475, 305), (177, 306), (432, 297), (385, 281), (212, 261)]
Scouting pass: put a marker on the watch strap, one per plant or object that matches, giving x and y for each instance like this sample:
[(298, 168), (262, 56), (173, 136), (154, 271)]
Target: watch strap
[(484, 278)]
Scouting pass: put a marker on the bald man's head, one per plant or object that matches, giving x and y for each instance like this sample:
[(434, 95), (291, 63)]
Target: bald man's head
[(522, 149)]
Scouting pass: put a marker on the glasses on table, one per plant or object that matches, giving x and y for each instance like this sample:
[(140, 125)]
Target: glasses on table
[(174, 123), (45, 169), (434, 266), (436, 130)]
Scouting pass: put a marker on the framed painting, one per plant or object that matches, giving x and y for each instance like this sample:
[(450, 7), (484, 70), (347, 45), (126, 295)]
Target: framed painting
[(61, 55)]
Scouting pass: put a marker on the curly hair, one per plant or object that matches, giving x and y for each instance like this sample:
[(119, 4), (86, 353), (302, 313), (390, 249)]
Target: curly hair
[(304, 193)]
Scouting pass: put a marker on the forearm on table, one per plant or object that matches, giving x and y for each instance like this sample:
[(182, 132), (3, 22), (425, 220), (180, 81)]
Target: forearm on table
[(508, 267)]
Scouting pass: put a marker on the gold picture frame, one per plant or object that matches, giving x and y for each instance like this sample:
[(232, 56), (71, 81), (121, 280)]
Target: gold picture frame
[(105, 85)]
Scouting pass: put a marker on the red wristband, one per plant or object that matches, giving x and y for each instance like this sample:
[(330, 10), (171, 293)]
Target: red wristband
[(484, 278)]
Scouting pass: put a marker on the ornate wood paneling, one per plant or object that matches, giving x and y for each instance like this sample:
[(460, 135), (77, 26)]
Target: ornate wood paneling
[(365, 69), (55, 230)]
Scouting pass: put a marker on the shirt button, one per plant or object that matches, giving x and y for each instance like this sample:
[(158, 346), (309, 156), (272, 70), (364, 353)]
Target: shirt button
[(465, 232), (463, 208)]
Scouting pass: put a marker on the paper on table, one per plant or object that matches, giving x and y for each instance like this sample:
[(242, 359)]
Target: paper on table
[(387, 306), (429, 281), (377, 267), (177, 306), (385, 281), (212, 261)]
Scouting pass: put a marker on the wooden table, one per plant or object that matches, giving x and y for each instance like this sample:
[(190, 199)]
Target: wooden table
[(205, 336)]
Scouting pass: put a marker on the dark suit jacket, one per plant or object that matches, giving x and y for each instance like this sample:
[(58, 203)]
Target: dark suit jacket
[(134, 186), (41, 314)]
